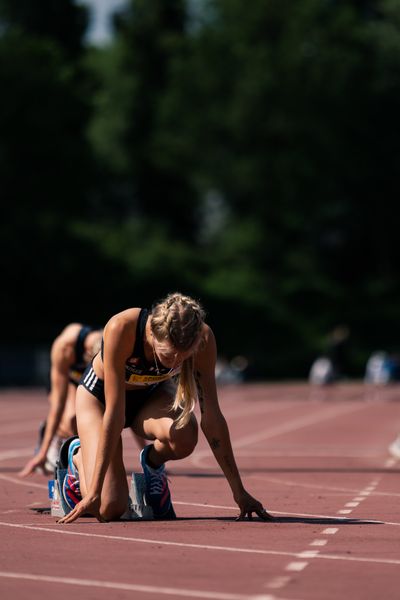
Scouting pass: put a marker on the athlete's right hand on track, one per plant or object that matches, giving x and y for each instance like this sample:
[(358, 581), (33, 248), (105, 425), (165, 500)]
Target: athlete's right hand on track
[(248, 505), (88, 505)]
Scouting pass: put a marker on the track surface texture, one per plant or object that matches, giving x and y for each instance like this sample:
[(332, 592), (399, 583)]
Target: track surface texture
[(316, 457)]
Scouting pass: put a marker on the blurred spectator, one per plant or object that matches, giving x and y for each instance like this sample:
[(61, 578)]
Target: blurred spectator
[(331, 366), (231, 372), (394, 448), (382, 368)]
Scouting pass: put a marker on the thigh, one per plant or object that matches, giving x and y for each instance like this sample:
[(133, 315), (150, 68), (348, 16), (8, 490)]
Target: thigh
[(70, 409), (89, 413), (155, 419)]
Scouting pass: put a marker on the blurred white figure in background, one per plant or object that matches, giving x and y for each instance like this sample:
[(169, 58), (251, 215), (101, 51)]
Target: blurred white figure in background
[(230, 372), (378, 369), (331, 365), (394, 448), (322, 371)]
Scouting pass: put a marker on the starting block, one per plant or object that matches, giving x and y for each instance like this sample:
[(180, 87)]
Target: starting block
[(137, 510), (56, 509)]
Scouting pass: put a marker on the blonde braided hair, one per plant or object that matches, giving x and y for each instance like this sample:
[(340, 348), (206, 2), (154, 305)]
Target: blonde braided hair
[(178, 319)]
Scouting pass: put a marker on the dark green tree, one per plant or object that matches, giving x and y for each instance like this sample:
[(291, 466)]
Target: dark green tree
[(137, 85), (45, 167), (62, 21)]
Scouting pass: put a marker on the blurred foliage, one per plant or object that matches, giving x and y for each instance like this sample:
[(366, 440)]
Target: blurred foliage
[(245, 155)]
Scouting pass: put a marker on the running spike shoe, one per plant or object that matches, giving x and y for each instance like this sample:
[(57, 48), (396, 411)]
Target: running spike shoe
[(70, 486), (52, 452), (157, 492)]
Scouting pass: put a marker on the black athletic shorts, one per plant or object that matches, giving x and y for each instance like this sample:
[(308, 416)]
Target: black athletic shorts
[(134, 399)]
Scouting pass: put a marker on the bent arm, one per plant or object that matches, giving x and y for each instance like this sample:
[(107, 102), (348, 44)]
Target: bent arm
[(57, 398), (60, 363), (114, 415), (213, 423), (215, 428), (115, 353)]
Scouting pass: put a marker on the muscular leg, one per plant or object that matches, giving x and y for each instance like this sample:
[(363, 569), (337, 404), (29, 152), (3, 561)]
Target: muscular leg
[(140, 442), (155, 421), (114, 494)]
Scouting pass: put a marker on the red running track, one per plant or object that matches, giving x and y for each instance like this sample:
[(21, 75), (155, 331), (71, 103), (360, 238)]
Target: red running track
[(318, 460)]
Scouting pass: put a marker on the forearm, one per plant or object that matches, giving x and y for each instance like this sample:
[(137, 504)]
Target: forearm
[(52, 422), (109, 436), (218, 437)]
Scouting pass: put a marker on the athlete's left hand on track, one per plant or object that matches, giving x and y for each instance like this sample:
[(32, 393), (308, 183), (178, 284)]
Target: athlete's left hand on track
[(249, 505), (86, 506), (34, 464)]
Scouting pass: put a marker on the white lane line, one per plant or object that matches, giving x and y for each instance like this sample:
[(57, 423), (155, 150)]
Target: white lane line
[(24, 482), (344, 511), (296, 566), (277, 512), (278, 582), (300, 453), (352, 504), (365, 493), (21, 452), (62, 530), (28, 483), (330, 530), (42, 486), (12, 428), (308, 554), (291, 483), (318, 542), (131, 587), (286, 427), (358, 499)]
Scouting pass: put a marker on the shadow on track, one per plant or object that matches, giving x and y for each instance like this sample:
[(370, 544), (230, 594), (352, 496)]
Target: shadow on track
[(294, 520)]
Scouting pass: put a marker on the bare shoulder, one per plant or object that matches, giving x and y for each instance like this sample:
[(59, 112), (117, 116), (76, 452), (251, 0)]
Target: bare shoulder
[(69, 334), (63, 347), (206, 355), (122, 321), (120, 331)]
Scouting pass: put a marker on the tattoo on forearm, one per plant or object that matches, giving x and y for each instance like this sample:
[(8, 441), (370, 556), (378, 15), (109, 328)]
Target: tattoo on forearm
[(214, 443), (200, 392)]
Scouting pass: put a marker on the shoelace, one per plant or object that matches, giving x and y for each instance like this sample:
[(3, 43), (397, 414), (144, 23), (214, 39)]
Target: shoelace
[(158, 482)]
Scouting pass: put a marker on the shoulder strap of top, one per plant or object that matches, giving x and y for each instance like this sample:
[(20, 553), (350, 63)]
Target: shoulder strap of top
[(138, 349)]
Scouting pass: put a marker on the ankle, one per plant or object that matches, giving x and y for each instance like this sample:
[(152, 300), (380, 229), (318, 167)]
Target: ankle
[(152, 459)]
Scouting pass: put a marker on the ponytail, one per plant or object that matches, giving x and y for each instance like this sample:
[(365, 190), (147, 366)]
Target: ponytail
[(179, 319)]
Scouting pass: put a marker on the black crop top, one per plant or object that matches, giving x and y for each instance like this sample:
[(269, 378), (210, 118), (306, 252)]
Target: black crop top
[(138, 371)]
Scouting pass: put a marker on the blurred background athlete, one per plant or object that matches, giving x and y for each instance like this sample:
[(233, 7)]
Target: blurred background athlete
[(71, 352)]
